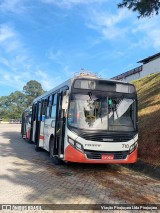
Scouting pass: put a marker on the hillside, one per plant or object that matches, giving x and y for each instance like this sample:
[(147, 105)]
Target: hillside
[(148, 89)]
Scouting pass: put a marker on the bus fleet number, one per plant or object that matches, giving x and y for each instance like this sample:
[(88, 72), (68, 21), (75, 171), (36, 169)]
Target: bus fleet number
[(126, 146)]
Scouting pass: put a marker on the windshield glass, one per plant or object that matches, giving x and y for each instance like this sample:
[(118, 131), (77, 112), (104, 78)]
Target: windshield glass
[(102, 113)]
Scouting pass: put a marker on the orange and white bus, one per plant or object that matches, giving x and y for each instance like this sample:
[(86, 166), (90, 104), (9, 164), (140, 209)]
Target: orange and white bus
[(87, 120), (26, 123)]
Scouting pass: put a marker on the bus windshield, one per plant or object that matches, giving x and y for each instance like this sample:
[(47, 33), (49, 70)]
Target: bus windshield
[(95, 112)]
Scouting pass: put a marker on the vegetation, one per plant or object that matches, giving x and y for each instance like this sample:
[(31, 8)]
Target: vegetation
[(12, 106), (145, 8), (32, 90), (148, 89)]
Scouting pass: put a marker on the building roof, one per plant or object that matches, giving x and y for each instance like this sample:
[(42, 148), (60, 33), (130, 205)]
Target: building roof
[(150, 58)]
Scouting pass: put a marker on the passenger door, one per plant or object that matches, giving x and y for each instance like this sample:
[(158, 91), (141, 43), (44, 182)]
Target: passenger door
[(60, 126)]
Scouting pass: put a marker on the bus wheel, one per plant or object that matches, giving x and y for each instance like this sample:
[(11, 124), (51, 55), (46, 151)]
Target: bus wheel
[(56, 160), (37, 148), (53, 157), (29, 141)]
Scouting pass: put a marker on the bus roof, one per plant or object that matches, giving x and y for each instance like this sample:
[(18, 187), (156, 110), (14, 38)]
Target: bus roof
[(66, 83), (69, 83)]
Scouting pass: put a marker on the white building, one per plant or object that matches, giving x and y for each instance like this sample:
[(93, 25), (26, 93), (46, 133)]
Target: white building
[(150, 65)]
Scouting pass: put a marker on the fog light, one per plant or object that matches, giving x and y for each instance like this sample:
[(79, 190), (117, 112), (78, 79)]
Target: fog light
[(78, 146)]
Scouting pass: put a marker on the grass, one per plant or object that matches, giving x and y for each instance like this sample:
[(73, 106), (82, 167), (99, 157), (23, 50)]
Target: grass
[(148, 89)]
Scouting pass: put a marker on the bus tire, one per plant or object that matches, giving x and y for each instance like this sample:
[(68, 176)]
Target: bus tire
[(53, 157), (29, 141), (37, 148), (56, 160)]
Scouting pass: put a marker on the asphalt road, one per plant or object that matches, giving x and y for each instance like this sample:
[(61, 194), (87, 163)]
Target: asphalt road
[(30, 177)]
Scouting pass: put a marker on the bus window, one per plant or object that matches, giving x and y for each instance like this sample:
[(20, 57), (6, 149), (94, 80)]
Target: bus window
[(39, 112), (55, 99), (34, 112), (53, 107), (53, 112), (50, 99), (49, 105)]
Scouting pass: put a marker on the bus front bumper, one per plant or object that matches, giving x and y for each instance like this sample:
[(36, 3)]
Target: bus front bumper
[(73, 155)]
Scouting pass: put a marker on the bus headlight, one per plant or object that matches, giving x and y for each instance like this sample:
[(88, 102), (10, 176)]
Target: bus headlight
[(75, 144), (133, 147), (71, 141)]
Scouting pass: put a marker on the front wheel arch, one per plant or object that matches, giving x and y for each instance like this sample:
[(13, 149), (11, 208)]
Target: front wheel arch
[(52, 152)]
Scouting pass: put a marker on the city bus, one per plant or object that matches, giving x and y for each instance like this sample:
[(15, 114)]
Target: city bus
[(26, 123), (87, 119)]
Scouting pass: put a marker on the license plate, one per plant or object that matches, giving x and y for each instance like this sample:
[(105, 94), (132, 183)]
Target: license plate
[(107, 157)]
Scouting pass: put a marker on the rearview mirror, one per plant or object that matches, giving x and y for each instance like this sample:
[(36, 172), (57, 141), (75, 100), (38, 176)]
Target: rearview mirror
[(65, 100)]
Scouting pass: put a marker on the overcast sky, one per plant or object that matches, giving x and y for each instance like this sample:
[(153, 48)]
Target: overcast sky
[(50, 40)]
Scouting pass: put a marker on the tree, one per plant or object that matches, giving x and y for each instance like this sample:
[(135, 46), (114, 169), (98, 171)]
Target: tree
[(32, 90), (12, 106), (145, 8)]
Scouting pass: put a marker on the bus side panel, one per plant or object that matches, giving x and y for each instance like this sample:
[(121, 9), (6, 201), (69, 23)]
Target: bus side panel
[(28, 133), (41, 136), (49, 129)]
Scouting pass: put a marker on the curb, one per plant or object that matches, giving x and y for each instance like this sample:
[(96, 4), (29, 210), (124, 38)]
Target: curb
[(146, 168)]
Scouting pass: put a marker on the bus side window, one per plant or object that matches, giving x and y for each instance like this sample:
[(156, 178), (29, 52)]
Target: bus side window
[(49, 104), (53, 112), (55, 99), (34, 112), (47, 107), (39, 112), (43, 108), (35, 116), (53, 107)]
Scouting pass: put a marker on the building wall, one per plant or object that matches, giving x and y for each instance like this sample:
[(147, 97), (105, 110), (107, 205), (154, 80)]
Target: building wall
[(151, 67), (132, 77)]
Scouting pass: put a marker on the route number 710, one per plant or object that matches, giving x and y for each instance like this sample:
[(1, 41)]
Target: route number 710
[(125, 146)]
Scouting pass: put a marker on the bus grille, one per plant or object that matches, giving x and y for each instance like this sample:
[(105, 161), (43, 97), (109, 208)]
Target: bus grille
[(107, 138), (118, 155)]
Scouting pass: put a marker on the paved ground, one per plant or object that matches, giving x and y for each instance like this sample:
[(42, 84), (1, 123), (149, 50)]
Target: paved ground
[(30, 177)]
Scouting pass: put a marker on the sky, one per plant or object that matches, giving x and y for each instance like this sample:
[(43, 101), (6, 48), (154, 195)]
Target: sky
[(50, 40)]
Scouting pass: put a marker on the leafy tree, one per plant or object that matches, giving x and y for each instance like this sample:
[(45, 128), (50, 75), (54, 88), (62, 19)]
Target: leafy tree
[(12, 106), (32, 90), (145, 8)]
